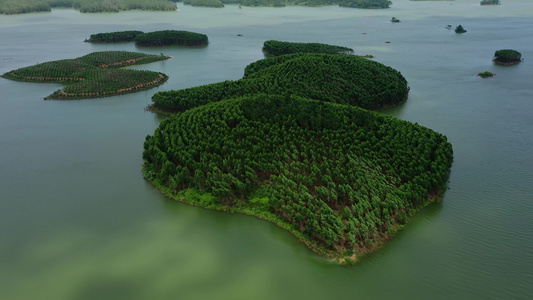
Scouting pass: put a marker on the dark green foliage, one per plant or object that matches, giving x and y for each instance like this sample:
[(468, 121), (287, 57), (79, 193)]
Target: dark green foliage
[(459, 29), (94, 75), (171, 37), (114, 37), (490, 2), (485, 74), (343, 79), (507, 56), (205, 3), (366, 3), (342, 176), (276, 48), (90, 6)]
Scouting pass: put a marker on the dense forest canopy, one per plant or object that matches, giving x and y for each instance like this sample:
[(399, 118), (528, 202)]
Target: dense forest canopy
[(344, 79), (94, 75), (86, 6), (507, 56), (204, 3), (171, 37), (276, 48), (114, 37), (341, 178)]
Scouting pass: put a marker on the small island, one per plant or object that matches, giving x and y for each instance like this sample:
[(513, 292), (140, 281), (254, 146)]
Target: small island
[(485, 74), (459, 29), (171, 38), (291, 143), (277, 48), (490, 2), (94, 75), (507, 57)]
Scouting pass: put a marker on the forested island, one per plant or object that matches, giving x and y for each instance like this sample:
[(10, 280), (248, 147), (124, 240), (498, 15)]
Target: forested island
[(490, 2), (171, 37), (507, 57), (84, 6), (343, 79), (460, 29), (94, 75), (114, 37), (152, 39), (277, 48), (290, 143)]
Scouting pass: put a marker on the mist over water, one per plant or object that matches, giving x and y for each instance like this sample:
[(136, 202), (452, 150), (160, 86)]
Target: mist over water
[(77, 220)]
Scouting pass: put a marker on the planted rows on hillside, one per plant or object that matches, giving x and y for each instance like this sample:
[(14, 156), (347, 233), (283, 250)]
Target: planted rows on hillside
[(343, 79), (94, 75), (342, 177)]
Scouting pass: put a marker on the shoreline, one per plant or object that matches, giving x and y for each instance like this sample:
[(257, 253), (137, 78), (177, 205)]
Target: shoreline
[(337, 257)]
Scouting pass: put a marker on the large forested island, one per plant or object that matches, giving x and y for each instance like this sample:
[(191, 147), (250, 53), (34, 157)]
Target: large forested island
[(277, 48), (85, 6), (343, 79), (94, 75), (290, 143)]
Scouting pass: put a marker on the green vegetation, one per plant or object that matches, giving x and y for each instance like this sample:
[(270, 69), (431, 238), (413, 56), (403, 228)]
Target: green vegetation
[(507, 57), (485, 74), (341, 178), (459, 29), (93, 6), (114, 37), (94, 75), (86, 6), (366, 3), (490, 2), (171, 37), (204, 3), (276, 48), (344, 79)]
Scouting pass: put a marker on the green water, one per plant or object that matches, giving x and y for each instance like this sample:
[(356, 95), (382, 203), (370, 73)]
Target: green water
[(77, 220)]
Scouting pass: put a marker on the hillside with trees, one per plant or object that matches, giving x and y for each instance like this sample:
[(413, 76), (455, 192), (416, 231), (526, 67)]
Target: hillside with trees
[(94, 75), (343, 79), (340, 178)]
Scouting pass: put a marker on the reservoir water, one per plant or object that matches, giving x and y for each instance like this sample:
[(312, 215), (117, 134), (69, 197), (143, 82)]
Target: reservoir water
[(77, 220)]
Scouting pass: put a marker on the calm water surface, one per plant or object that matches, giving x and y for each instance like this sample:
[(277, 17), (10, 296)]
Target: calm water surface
[(77, 220)]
